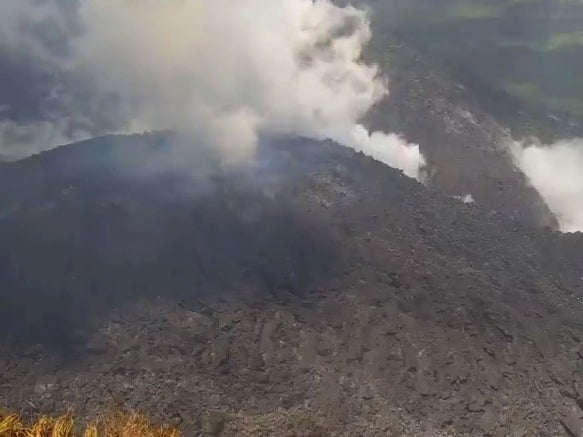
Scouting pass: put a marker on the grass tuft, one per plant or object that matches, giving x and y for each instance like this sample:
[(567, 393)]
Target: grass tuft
[(114, 425)]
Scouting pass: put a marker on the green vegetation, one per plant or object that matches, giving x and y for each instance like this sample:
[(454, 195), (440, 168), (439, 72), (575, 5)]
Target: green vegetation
[(555, 42), (533, 49), (473, 11), (532, 93)]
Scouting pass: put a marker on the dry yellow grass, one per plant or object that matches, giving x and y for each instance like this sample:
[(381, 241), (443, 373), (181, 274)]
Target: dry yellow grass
[(114, 425)]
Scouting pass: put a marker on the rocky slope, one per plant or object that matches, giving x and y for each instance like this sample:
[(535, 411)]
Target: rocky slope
[(466, 148), (317, 293)]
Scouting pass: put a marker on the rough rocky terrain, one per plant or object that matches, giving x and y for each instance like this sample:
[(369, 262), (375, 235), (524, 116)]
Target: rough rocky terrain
[(319, 293), (466, 148)]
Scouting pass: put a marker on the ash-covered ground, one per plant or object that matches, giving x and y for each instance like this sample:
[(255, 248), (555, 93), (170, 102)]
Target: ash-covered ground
[(316, 292)]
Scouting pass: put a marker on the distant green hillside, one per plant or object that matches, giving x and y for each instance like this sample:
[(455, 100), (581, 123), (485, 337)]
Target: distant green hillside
[(530, 49)]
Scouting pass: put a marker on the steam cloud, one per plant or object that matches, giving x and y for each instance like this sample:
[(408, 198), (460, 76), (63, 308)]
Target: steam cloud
[(224, 71), (555, 172)]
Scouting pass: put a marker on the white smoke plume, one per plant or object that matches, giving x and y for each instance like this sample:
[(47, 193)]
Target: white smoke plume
[(468, 199), (227, 71), (19, 140), (556, 172)]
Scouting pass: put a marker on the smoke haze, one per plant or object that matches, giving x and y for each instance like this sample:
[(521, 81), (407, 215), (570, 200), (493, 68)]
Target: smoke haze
[(225, 72), (556, 173)]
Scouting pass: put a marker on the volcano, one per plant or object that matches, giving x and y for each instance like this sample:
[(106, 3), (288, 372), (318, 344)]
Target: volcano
[(314, 292), (244, 266)]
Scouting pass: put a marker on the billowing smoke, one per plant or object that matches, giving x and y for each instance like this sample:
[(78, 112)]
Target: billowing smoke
[(556, 171), (468, 199), (18, 140), (224, 71)]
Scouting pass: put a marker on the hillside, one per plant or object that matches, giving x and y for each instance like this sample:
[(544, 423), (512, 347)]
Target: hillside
[(319, 293), (231, 272), (522, 56), (466, 148)]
